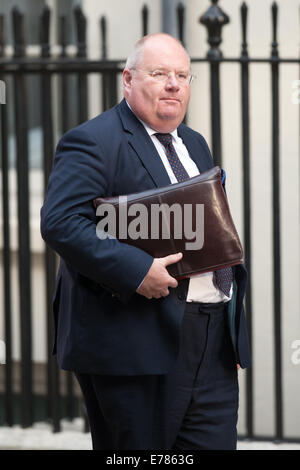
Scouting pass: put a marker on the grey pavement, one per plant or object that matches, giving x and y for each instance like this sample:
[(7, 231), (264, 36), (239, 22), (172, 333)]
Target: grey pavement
[(72, 437)]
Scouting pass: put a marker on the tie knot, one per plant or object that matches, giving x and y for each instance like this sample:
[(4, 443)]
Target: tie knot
[(165, 139)]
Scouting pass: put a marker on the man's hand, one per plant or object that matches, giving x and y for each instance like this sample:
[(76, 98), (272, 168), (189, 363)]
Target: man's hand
[(157, 281)]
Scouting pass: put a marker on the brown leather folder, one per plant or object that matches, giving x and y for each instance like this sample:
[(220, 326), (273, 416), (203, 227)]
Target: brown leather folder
[(192, 217)]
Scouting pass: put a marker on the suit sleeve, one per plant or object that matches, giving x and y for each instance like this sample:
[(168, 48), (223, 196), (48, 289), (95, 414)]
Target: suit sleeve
[(68, 220)]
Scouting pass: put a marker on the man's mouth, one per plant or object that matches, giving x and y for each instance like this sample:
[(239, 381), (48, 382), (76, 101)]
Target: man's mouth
[(170, 98)]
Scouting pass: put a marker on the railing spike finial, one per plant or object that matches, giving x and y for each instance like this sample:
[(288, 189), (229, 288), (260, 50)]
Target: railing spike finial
[(2, 35), (103, 32), (80, 21), (244, 14), (18, 32), (145, 16), (214, 19), (274, 29), (44, 31), (63, 34)]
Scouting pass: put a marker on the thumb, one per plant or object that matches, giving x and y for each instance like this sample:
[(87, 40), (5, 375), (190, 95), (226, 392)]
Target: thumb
[(171, 259)]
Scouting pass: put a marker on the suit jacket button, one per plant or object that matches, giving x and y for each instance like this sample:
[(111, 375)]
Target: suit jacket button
[(181, 296)]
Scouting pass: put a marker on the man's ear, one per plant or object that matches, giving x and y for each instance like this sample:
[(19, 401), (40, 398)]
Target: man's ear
[(127, 79)]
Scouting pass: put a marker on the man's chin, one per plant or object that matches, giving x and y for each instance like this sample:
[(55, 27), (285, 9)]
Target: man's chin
[(167, 116), (171, 112)]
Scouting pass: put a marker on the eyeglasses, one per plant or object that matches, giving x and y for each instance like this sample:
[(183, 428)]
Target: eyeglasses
[(161, 75)]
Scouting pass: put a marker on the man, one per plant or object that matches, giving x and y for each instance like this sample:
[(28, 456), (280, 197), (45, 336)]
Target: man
[(155, 358)]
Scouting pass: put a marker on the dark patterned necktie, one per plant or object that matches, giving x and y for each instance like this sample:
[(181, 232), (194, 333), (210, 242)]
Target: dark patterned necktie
[(222, 277), (176, 165)]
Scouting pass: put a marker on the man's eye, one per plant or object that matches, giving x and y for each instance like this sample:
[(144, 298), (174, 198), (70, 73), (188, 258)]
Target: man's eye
[(182, 76), (159, 73)]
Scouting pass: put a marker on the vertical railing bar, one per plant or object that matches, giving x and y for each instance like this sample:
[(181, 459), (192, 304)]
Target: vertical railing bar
[(109, 78), (65, 125), (103, 37), (113, 88), (247, 208), (214, 19), (276, 226), (64, 111), (215, 107), (8, 399), (53, 397), (80, 21), (104, 76), (21, 123)]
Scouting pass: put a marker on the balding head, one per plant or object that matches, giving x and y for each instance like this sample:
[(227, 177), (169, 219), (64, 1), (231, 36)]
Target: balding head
[(136, 54)]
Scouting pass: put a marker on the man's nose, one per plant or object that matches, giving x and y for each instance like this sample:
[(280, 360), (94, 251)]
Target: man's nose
[(172, 81)]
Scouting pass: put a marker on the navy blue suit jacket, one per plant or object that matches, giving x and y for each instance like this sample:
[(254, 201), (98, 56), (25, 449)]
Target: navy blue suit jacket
[(102, 325)]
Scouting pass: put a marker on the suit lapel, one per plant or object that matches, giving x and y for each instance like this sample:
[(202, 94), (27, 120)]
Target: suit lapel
[(142, 144)]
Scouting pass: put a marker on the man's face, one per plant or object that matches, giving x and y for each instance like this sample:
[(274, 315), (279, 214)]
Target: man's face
[(160, 104)]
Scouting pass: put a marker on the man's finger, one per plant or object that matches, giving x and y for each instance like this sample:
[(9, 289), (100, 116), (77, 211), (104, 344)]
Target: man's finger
[(171, 259), (172, 282)]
